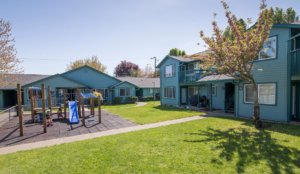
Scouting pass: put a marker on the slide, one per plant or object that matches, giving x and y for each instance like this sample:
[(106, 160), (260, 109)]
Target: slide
[(73, 112)]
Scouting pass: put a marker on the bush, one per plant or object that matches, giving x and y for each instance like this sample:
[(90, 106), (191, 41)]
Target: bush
[(118, 100), (148, 98), (131, 99), (95, 99)]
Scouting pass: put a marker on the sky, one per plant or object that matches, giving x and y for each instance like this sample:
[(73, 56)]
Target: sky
[(50, 34)]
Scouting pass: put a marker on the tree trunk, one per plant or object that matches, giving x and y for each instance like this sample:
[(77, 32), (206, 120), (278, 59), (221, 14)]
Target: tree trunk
[(256, 109)]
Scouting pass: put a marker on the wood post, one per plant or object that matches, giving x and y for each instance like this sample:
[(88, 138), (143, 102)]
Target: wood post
[(49, 100), (35, 103), (44, 108), (91, 103), (54, 101), (99, 108), (78, 99), (65, 112), (19, 95), (83, 119), (31, 105)]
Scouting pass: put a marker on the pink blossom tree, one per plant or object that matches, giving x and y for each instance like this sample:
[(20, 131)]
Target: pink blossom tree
[(236, 58)]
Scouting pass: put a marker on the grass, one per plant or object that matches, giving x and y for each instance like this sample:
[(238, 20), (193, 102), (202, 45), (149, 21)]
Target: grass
[(210, 145), (116, 106), (154, 112)]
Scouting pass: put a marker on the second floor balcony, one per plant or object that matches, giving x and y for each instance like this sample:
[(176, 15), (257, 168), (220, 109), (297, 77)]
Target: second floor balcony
[(190, 76)]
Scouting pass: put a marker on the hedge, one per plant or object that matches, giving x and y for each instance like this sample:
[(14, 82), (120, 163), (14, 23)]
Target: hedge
[(147, 98), (118, 100), (131, 99)]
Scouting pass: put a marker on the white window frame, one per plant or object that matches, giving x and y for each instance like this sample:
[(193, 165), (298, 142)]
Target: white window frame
[(169, 74), (34, 91), (149, 90), (125, 92), (215, 91), (259, 57), (258, 88), (103, 96), (173, 92)]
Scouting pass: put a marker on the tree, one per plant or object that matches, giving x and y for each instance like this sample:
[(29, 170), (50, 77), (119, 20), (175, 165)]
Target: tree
[(283, 17), (92, 62), (176, 52), (236, 59), (123, 69), (9, 63), (229, 34)]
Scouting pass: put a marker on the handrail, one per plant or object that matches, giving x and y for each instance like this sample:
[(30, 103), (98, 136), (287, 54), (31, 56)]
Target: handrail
[(229, 101), (8, 109)]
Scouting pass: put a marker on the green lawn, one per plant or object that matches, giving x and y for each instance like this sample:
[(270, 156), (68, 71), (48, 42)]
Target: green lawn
[(116, 106), (154, 112), (210, 145)]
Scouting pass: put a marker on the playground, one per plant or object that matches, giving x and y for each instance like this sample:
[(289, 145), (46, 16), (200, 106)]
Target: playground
[(43, 124)]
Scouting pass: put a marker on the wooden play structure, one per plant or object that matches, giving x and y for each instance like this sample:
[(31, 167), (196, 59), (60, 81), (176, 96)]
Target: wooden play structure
[(35, 110)]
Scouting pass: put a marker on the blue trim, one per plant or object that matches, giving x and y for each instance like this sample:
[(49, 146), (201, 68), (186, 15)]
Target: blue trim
[(167, 56), (113, 86), (85, 66), (57, 75)]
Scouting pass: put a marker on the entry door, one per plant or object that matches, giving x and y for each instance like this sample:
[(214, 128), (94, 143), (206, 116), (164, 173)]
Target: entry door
[(183, 95)]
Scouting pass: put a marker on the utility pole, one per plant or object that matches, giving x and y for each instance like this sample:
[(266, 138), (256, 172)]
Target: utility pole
[(154, 64)]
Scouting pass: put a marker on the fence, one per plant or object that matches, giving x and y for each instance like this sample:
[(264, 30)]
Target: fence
[(7, 114)]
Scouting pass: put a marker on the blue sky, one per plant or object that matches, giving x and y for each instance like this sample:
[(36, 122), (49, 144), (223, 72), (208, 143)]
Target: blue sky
[(50, 34)]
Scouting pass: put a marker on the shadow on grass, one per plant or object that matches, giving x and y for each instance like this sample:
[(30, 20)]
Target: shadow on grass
[(248, 147), (172, 108)]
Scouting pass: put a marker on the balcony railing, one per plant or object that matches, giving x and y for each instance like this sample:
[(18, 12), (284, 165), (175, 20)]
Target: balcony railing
[(294, 56), (190, 76)]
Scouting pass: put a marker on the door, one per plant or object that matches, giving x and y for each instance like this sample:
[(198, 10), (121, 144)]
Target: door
[(183, 95)]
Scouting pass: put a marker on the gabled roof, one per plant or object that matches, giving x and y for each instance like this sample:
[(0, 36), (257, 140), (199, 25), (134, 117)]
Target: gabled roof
[(23, 79), (85, 66), (57, 75), (180, 59), (117, 84), (296, 22), (142, 82)]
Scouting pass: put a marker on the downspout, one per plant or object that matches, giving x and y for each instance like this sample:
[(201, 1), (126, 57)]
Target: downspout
[(210, 108)]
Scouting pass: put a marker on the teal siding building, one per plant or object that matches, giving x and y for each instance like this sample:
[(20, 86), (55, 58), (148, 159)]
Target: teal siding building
[(86, 78), (277, 74)]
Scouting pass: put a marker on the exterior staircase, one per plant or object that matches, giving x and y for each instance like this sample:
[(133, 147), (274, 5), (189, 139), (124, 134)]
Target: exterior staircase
[(231, 108)]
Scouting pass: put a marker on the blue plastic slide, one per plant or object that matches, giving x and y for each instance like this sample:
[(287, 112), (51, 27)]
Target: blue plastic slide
[(73, 113)]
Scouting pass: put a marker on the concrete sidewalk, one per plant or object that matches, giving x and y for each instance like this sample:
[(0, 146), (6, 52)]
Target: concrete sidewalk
[(28, 146)]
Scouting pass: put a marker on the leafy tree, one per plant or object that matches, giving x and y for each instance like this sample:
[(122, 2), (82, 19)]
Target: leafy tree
[(176, 52), (283, 17), (229, 34), (92, 62), (123, 69), (236, 59), (9, 63)]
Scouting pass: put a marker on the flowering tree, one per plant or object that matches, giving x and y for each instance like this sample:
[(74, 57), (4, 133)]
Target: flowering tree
[(235, 58), (124, 68), (9, 63)]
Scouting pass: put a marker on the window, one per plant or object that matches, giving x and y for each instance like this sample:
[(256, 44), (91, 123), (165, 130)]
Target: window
[(150, 90), (269, 50), (36, 94), (266, 93), (182, 67), (104, 92), (125, 92), (169, 71), (191, 66), (193, 91), (214, 90), (169, 92)]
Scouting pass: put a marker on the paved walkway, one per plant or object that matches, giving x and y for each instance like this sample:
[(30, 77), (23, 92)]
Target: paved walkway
[(33, 132), (33, 145)]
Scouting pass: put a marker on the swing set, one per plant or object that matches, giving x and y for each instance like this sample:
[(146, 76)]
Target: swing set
[(75, 109)]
